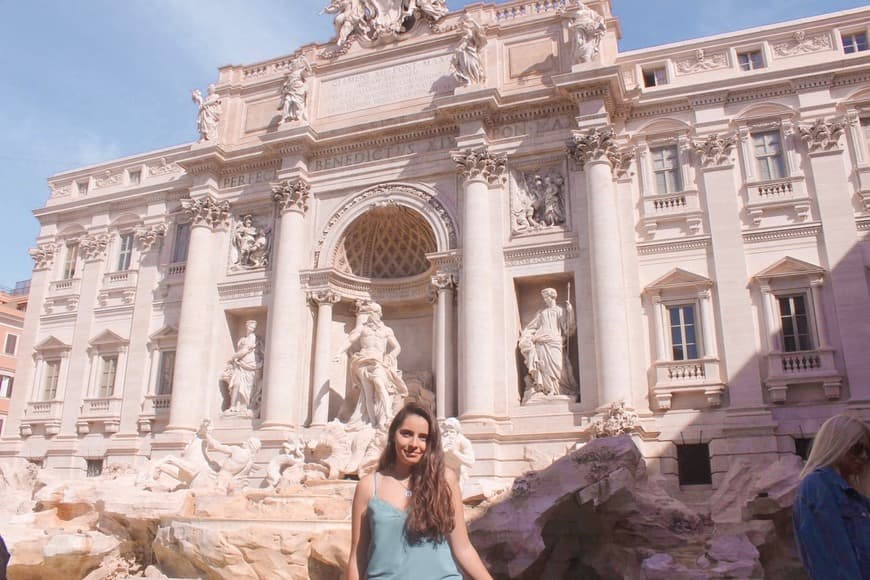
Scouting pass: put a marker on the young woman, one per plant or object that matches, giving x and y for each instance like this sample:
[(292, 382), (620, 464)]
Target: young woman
[(408, 520), (832, 511)]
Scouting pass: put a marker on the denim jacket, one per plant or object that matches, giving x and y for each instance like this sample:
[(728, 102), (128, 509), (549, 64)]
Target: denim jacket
[(832, 527)]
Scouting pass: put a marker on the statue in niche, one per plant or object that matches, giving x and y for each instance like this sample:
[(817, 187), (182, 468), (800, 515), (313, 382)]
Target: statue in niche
[(374, 371), (251, 244), (588, 27), (466, 65), (243, 372), (196, 470), (538, 201), (458, 452), (543, 344), (209, 113), (294, 93)]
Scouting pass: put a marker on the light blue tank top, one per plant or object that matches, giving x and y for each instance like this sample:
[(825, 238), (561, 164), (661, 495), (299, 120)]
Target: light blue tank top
[(392, 557)]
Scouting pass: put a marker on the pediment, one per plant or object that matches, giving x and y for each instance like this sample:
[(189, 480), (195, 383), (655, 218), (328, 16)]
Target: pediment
[(679, 278), (665, 126), (51, 343), (164, 333), (107, 337), (789, 267)]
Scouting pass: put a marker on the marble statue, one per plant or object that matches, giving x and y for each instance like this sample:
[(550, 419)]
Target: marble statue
[(588, 28), (458, 452), (209, 113), (543, 344), (376, 21), (294, 93), (538, 201), (376, 379), (242, 374), (251, 244), (289, 465), (344, 449), (196, 470), (467, 66)]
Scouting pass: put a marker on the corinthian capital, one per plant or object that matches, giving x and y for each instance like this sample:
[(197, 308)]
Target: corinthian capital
[(715, 150), (43, 255), (94, 246), (480, 164), (149, 237), (599, 145), (292, 195), (205, 211), (823, 135)]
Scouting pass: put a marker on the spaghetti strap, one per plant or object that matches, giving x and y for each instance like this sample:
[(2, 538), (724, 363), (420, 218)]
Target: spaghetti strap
[(375, 492)]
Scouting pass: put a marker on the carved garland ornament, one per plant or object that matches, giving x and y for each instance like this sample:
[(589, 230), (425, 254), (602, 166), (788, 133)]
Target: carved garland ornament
[(823, 135), (715, 150), (318, 297), (43, 255), (480, 164), (444, 281), (205, 211), (292, 195), (596, 145)]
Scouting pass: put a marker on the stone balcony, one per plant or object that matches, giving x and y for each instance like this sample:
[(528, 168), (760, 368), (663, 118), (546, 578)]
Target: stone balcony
[(118, 288), (786, 194), (63, 296), (153, 407), (683, 208), (171, 280), (42, 413), (687, 376), (802, 367), (105, 411)]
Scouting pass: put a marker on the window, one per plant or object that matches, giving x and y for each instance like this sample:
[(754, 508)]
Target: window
[(108, 372), (49, 382), (125, 252), (70, 261), (854, 42), (95, 467), (684, 343), (135, 176), (82, 187), (768, 155), (666, 168), (6, 386), (693, 464), (165, 372), (11, 344), (795, 323), (654, 77), (182, 239), (802, 446), (750, 60)]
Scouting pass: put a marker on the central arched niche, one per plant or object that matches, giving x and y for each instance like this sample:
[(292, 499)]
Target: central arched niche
[(387, 242)]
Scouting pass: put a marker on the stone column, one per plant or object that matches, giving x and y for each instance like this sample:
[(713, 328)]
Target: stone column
[(708, 329), (478, 169), (596, 152), (818, 312), (324, 300), (658, 323), (444, 283), (186, 409), (282, 371)]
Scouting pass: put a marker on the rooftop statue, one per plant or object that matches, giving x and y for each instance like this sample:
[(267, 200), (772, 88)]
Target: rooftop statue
[(379, 20), (294, 93), (466, 65), (208, 114), (589, 28)]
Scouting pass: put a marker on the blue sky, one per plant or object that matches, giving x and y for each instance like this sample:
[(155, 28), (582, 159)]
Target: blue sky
[(87, 81)]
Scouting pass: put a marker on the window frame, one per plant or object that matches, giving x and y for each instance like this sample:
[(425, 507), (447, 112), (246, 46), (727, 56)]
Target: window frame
[(793, 321), (107, 345), (108, 367), (780, 155), (14, 345), (676, 170), (6, 386), (660, 75), (681, 306), (44, 390), (750, 63), (137, 172), (175, 258), (162, 386), (71, 258), (854, 46), (124, 258)]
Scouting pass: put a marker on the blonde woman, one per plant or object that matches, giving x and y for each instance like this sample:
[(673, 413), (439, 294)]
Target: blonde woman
[(832, 510)]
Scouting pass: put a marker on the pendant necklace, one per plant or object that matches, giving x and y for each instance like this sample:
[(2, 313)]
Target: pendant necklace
[(408, 492)]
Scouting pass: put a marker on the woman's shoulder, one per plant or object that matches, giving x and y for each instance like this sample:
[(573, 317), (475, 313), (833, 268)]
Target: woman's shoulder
[(366, 486), (450, 476)]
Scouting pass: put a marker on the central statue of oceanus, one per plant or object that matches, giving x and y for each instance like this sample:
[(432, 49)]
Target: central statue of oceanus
[(379, 20)]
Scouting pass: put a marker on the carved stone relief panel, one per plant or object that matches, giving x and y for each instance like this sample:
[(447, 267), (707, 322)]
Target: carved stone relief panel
[(251, 243), (538, 199)]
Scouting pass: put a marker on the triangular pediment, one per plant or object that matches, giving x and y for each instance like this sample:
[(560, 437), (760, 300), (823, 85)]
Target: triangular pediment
[(164, 333), (679, 278), (107, 337), (789, 267), (51, 343)]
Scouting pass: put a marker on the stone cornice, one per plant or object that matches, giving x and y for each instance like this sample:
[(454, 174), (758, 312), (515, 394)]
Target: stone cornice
[(383, 140), (540, 254), (677, 245), (780, 233)]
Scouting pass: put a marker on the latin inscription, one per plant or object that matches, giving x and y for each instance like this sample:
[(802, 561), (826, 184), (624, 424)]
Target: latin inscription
[(248, 178), (531, 128), (394, 84), (380, 153)]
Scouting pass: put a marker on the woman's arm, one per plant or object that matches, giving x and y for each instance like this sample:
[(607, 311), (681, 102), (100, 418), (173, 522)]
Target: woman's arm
[(357, 560), (460, 544)]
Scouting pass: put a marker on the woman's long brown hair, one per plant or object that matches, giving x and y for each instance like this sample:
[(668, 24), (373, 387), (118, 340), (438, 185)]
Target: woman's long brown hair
[(430, 509)]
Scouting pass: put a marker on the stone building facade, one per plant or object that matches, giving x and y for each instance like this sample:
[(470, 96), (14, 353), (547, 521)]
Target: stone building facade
[(701, 210), (13, 303)]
